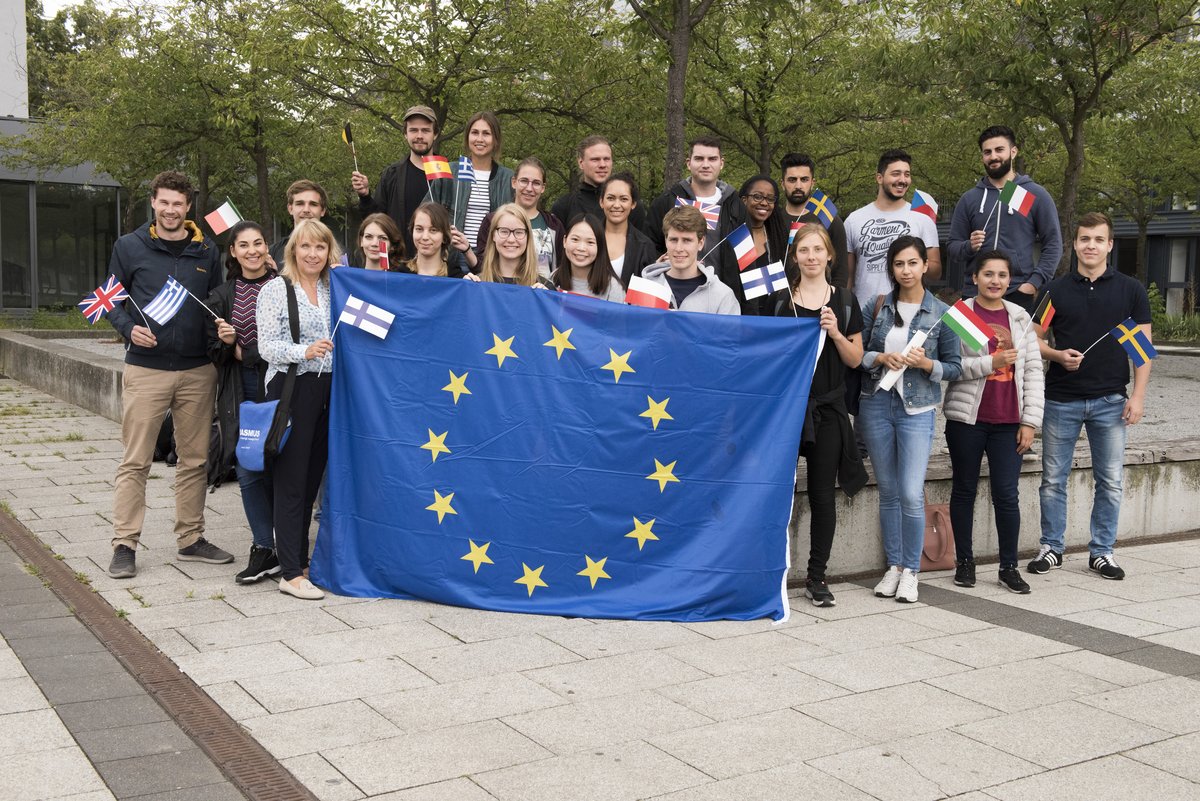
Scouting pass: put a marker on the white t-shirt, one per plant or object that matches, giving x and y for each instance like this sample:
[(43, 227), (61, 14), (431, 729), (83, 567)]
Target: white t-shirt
[(869, 233), (618, 264), (895, 341), (478, 204), (711, 198)]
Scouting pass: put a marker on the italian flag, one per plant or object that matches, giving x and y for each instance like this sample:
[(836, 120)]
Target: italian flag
[(1017, 198), (223, 218), (973, 331)]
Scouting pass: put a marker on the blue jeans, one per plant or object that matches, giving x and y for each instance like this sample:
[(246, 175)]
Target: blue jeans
[(898, 444), (256, 489), (1106, 436), (968, 443)]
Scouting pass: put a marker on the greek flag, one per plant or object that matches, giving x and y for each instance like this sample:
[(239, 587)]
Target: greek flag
[(167, 302), (466, 170)]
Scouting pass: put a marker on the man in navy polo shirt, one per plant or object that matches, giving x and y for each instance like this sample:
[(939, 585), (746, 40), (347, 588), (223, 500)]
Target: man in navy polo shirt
[(1089, 391)]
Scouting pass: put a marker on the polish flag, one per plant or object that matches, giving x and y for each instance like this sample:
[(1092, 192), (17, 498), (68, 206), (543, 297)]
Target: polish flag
[(644, 292)]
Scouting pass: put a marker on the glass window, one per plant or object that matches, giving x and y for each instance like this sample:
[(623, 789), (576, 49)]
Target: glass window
[(15, 283), (76, 229)]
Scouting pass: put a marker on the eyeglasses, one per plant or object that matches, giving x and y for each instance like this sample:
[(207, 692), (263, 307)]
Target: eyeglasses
[(530, 182), (759, 197), (510, 233)]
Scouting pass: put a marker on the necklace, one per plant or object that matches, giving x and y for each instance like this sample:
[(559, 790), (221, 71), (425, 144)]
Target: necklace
[(826, 295)]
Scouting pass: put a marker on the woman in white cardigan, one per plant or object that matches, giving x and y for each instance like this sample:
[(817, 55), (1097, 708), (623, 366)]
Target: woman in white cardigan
[(994, 408)]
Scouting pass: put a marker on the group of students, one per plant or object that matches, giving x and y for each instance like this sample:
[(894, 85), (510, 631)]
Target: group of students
[(496, 230)]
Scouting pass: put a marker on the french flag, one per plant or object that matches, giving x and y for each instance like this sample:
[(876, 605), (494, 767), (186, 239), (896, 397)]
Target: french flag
[(743, 246)]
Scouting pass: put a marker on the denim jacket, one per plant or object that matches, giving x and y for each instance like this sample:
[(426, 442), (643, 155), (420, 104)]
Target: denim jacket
[(942, 348)]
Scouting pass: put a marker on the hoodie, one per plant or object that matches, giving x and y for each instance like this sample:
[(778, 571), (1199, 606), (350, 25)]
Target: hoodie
[(712, 297), (142, 263), (1009, 232), (733, 213)]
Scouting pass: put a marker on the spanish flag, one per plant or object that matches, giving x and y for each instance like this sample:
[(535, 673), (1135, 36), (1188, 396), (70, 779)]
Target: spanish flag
[(436, 167)]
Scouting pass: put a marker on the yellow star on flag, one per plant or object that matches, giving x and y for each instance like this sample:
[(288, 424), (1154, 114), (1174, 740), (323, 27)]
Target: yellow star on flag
[(478, 555), (560, 341), (594, 570), (457, 386), (642, 532), (532, 578), (657, 411), (502, 349), (663, 475), (618, 364), (441, 505), (436, 444)]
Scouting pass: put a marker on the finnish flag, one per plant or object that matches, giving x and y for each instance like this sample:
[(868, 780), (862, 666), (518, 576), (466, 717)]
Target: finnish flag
[(764, 280), (372, 319)]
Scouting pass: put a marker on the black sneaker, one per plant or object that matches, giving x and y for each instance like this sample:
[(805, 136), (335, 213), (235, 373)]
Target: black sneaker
[(964, 573), (123, 564), (1106, 566), (817, 591), (1047, 559), (1011, 579), (263, 563), (204, 551)]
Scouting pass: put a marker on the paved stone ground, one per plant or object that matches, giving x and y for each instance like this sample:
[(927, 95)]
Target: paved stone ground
[(1085, 689)]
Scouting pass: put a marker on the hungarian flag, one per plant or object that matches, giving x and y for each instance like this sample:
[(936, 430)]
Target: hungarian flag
[(1044, 312), (644, 292), (973, 331), (743, 246), (223, 218), (100, 302), (923, 203), (1017, 198), (436, 167)]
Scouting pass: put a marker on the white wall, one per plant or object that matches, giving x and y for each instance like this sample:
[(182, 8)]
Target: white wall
[(14, 84)]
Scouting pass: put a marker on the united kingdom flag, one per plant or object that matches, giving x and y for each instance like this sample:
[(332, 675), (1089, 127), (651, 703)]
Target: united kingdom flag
[(711, 211), (95, 305)]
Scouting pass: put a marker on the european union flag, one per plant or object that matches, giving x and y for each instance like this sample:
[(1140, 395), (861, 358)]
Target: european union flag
[(529, 451)]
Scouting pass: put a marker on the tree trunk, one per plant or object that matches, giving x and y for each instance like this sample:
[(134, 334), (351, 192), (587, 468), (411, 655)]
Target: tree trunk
[(679, 44), (260, 175), (1072, 176), (1143, 269), (201, 207)]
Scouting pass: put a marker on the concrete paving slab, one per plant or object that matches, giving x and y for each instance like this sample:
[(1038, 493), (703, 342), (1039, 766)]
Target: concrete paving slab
[(110, 713), (233, 633), (734, 654), (995, 646), (1061, 734), (622, 637), (1172, 704), (394, 639), (1183, 640), (128, 742), (1114, 777), (244, 662), (893, 713), (159, 773), (20, 694), (856, 634), (445, 705), (873, 668), (771, 785), (753, 692), (613, 675), (325, 781), (453, 790), (320, 728), (476, 625), (32, 731), (1021, 685), (236, 702), (317, 686), (489, 657), (1176, 756), (44, 775)]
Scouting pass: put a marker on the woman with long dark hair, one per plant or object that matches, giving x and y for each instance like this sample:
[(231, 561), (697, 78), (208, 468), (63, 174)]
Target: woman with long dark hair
[(587, 270)]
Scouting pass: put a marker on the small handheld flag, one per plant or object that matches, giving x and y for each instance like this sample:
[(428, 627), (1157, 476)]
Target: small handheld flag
[(971, 329), (384, 264), (223, 218), (1017, 198), (764, 280), (711, 211), (743, 246), (796, 226), (100, 302), (1135, 342), (644, 292), (923, 203), (370, 318), (821, 205), (436, 167), (167, 303), (348, 138), (466, 170), (1044, 312)]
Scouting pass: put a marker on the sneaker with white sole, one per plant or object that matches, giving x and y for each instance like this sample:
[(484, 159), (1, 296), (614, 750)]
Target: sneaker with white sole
[(204, 551), (817, 591), (1106, 566), (1010, 579), (1047, 559), (886, 588), (906, 590)]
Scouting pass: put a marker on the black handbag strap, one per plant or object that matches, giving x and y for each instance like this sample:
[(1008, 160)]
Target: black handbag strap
[(294, 324)]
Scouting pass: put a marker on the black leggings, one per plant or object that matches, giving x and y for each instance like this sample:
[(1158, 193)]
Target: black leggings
[(299, 467), (822, 461)]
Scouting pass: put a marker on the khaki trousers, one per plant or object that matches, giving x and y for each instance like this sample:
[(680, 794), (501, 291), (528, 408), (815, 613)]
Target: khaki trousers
[(146, 396)]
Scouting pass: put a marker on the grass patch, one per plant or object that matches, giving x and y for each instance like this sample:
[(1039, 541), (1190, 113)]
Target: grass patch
[(121, 613), (47, 320), (4, 507), (31, 569), (217, 596), (1171, 327), (83, 578), (15, 410)]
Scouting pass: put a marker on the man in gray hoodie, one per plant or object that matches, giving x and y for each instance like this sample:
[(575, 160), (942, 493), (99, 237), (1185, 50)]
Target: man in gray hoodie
[(983, 222), (694, 286)]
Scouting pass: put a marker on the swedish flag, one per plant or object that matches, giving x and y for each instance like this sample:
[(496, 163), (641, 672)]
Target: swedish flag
[(1134, 340), (531, 451), (822, 205)]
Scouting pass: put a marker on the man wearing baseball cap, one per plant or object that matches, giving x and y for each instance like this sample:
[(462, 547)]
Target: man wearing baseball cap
[(402, 186)]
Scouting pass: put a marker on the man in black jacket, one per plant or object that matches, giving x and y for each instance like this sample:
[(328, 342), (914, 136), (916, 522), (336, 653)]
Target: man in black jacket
[(166, 368), (703, 183), (402, 187), (595, 165), (306, 200)]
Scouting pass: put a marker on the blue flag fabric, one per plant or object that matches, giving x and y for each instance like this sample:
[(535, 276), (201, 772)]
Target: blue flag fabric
[(1134, 340), (530, 451)]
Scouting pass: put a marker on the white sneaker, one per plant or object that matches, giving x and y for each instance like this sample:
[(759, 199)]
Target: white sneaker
[(906, 593), (303, 589), (886, 588)]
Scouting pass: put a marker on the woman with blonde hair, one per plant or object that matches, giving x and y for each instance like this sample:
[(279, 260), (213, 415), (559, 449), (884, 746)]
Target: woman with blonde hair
[(508, 257), (310, 254)]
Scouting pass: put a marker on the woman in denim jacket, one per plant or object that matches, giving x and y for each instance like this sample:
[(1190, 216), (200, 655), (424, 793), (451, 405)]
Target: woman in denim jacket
[(897, 423)]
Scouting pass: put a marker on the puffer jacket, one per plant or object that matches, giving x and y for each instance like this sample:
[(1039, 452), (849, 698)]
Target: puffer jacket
[(964, 395)]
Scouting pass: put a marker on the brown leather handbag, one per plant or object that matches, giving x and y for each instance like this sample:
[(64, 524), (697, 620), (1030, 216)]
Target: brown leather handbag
[(937, 552)]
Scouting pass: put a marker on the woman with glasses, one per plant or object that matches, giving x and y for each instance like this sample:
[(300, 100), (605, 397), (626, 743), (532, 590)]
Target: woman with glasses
[(508, 257), (529, 184), (629, 250), (768, 229)]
